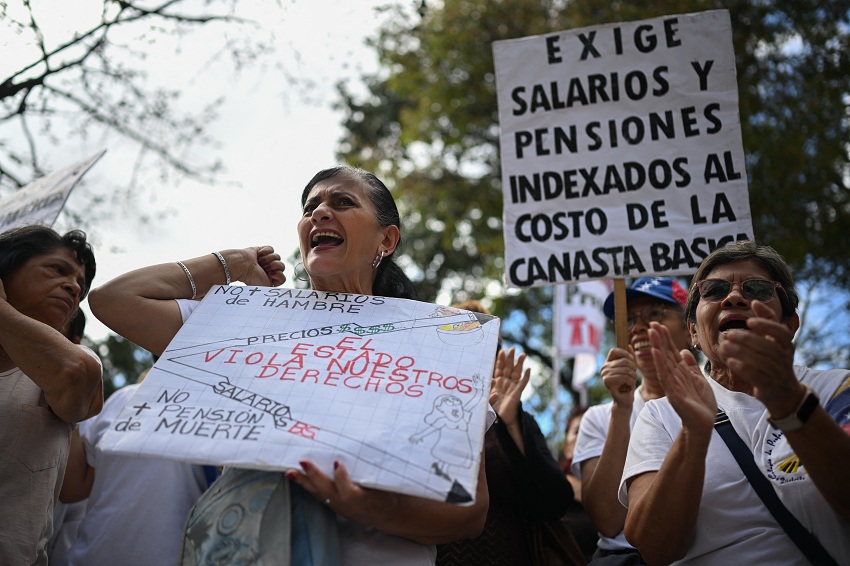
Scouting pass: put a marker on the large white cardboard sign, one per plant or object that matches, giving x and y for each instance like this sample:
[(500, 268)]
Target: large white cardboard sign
[(263, 378), (621, 149), (41, 201)]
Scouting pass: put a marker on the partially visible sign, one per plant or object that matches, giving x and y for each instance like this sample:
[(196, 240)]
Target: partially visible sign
[(579, 320), (41, 201)]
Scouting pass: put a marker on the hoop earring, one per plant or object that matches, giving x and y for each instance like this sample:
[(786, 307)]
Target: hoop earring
[(378, 259), (297, 276)]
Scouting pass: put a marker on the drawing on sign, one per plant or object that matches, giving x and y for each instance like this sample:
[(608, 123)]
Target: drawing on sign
[(450, 420), (303, 389), (467, 331)]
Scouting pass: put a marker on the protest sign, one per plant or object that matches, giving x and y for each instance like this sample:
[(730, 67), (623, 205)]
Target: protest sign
[(621, 149), (578, 320), (41, 201), (578, 326), (263, 378)]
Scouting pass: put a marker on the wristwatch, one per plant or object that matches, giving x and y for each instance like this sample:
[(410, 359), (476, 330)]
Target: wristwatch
[(798, 418)]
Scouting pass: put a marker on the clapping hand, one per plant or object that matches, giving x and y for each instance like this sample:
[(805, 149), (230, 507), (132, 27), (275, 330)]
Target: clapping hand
[(509, 380), (687, 389), (763, 356)]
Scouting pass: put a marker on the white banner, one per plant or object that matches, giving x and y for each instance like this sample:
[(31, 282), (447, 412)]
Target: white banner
[(584, 367), (266, 377), (621, 149), (41, 201), (578, 318)]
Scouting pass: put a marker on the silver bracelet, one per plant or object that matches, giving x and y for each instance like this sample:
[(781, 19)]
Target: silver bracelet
[(191, 279), (224, 265)]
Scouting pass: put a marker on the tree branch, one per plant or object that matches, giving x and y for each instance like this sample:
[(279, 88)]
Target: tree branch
[(5, 173), (9, 88), (182, 18), (125, 130), (33, 153)]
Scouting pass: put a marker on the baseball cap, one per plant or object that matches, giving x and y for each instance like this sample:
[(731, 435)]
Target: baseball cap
[(662, 288)]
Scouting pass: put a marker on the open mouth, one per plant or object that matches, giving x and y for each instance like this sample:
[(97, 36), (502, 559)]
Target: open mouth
[(641, 345), (326, 239), (737, 324)]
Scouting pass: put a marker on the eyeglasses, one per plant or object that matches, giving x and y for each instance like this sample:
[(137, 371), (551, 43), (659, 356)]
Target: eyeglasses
[(715, 290), (649, 313)]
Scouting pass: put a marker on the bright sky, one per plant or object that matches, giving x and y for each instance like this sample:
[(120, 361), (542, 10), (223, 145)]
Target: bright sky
[(270, 138)]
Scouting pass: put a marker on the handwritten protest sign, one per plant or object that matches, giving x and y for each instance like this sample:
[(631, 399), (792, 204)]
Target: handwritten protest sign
[(579, 322), (263, 378), (41, 201), (621, 149)]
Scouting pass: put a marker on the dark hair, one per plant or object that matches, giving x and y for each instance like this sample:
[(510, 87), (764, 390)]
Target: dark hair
[(390, 280), (576, 412), (743, 250), (76, 327), (19, 245)]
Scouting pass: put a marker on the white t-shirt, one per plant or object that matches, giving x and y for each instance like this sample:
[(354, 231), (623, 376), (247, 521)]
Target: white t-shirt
[(591, 439), (361, 545), (734, 526), (137, 507)]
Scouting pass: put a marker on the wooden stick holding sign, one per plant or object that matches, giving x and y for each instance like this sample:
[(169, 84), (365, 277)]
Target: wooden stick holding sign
[(621, 321)]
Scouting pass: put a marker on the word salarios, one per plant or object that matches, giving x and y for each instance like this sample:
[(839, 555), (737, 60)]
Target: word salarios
[(297, 299)]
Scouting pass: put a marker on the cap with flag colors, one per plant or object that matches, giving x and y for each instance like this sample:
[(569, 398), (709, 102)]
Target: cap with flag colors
[(662, 288)]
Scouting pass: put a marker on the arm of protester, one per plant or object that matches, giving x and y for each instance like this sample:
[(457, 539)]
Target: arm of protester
[(508, 383), (421, 520), (544, 491), (601, 476), (664, 505), (763, 356), (69, 376), (139, 305), (79, 476)]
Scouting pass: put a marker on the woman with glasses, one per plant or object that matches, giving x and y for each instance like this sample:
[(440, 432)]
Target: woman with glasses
[(603, 439), (689, 500)]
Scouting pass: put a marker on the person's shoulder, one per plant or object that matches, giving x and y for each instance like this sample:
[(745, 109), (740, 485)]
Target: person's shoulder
[(600, 409), (596, 419), (824, 382), (805, 373), (659, 402), (658, 409), (123, 395)]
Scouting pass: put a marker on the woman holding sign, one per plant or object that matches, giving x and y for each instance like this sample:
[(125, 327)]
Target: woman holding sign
[(770, 485), (348, 233)]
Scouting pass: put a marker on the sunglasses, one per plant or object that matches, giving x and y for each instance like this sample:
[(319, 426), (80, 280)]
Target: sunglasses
[(715, 290), (649, 313)]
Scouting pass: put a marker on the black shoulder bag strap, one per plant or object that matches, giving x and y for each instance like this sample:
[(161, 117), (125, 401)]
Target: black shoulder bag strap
[(805, 541)]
